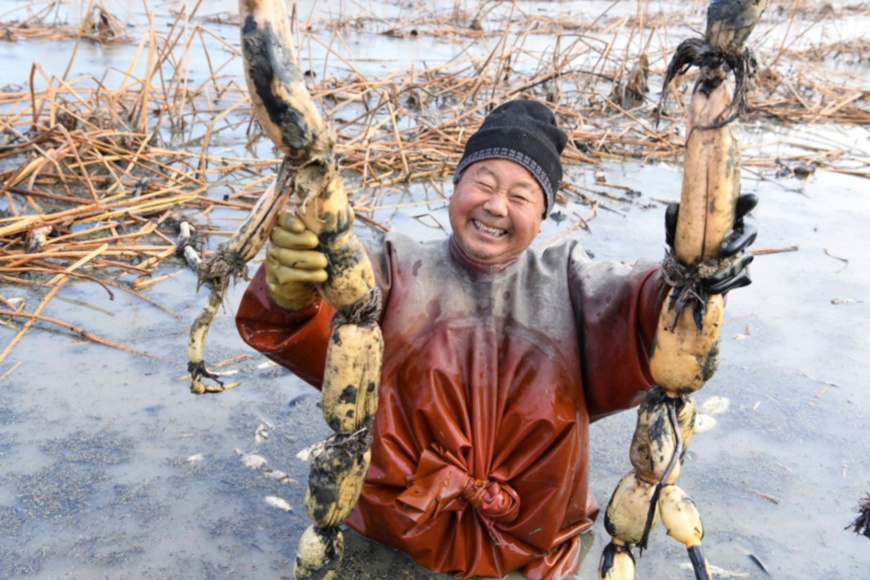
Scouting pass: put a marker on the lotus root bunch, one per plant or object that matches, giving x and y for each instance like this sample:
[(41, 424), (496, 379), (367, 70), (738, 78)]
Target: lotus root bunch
[(308, 174), (686, 347)]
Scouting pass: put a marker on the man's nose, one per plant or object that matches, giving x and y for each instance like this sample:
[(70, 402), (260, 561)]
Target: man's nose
[(496, 205)]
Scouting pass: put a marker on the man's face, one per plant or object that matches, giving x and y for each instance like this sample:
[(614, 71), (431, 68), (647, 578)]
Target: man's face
[(496, 211)]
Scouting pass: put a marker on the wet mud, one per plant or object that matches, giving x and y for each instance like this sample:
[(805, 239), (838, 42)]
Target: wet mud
[(111, 468)]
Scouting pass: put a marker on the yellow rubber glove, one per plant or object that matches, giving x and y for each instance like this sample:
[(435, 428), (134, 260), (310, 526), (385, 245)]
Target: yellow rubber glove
[(293, 266)]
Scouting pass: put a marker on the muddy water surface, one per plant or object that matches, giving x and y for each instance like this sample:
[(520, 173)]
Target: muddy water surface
[(110, 468)]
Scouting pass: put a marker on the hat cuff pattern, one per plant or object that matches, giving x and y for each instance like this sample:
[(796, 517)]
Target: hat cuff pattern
[(526, 161)]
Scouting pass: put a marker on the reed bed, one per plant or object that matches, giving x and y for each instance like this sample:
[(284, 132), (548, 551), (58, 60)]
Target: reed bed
[(95, 180)]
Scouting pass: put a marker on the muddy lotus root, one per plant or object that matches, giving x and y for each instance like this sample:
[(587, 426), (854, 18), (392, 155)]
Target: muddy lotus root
[(686, 346), (353, 372), (319, 554)]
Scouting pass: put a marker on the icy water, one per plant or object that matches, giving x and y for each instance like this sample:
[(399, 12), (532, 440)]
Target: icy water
[(109, 468)]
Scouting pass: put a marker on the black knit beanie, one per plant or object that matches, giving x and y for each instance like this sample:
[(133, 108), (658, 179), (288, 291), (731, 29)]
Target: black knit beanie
[(525, 132)]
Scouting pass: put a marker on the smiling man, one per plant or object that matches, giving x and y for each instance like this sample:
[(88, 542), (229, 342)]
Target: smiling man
[(496, 359), (496, 211), (506, 182)]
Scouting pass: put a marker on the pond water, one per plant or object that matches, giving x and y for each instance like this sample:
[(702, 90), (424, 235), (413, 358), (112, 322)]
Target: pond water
[(110, 468)]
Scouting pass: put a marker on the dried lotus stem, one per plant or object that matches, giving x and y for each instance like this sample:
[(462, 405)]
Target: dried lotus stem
[(861, 525), (230, 263)]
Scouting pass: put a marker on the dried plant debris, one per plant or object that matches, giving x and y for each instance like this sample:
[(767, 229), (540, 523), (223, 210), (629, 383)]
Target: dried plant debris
[(93, 175), (102, 24), (861, 525)]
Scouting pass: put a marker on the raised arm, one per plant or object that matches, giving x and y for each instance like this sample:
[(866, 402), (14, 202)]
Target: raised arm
[(294, 338), (617, 309)]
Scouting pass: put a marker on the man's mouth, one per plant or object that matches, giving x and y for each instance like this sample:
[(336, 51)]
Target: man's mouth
[(488, 230)]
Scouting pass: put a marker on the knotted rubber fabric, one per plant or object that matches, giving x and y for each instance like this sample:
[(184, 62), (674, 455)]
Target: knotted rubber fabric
[(442, 484)]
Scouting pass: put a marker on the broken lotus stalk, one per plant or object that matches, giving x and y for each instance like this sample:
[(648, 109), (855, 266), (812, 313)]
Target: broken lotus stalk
[(686, 346), (729, 24), (230, 263), (288, 116), (355, 352), (861, 525)]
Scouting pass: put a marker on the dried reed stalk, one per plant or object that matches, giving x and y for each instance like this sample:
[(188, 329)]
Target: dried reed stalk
[(96, 163)]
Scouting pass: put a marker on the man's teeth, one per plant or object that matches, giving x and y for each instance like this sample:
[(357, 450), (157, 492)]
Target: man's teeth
[(489, 230)]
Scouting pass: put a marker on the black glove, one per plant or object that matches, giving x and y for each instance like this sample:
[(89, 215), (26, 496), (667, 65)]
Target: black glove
[(732, 251)]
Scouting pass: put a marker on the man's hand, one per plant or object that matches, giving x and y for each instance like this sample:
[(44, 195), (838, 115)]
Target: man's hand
[(733, 258), (293, 265)]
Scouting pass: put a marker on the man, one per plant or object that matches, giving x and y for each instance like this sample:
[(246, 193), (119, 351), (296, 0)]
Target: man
[(496, 359)]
